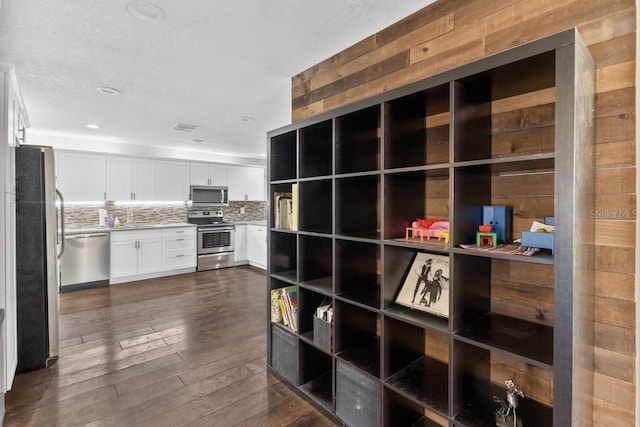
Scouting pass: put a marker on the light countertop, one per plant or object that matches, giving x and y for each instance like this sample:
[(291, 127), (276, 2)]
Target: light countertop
[(132, 227)]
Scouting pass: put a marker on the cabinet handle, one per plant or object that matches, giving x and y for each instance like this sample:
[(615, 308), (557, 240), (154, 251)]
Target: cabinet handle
[(105, 195), (180, 232), (179, 240), (179, 256)]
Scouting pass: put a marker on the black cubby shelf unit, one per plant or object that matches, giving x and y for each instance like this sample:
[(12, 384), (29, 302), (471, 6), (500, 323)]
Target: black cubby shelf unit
[(514, 129)]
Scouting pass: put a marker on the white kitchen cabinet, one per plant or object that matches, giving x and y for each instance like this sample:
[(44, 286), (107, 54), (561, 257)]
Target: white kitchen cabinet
[(135, 254), (144, 185), (255, 184), (178, 248), (257, 245), (246, 183), (82, 177), (208, 174), (13, 121), (172, 180), (240, 239), (119, 178)]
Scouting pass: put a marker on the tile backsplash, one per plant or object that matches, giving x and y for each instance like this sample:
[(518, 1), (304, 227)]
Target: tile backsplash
[(86, 215)]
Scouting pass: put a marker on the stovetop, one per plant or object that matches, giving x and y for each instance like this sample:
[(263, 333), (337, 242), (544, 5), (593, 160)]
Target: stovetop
[(208, 219)]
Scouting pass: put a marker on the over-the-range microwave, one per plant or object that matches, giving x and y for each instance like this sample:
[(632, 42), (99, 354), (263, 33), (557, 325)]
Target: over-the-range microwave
[(205, 196)]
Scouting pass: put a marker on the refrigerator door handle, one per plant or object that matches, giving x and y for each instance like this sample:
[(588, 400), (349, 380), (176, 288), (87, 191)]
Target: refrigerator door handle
[(61, 235)]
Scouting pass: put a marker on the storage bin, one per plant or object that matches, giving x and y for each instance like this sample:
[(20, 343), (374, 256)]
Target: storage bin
[(322, 336), (358, 397), (284, 353)]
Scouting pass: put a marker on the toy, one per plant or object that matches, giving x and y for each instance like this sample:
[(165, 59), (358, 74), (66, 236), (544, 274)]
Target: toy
[(427, 228), (507, 411), (485, 237)]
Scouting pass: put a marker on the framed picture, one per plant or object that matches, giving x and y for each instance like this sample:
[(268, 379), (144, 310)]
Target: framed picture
[(426, 285)]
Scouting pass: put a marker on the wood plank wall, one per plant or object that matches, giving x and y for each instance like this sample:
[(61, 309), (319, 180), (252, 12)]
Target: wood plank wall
[(450, 33)]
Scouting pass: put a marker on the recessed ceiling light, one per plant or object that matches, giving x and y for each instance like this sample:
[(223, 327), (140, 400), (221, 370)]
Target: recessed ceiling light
[(246, 119), (93, 126), (108, 90), (145, 11)]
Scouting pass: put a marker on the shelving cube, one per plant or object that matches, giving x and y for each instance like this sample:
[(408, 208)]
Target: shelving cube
[(512, 129)]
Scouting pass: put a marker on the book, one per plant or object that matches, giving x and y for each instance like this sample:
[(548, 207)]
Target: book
[(294, 207), (290, 297)]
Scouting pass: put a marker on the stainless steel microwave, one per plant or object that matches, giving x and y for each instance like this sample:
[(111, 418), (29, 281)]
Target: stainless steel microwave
[(205, 196)]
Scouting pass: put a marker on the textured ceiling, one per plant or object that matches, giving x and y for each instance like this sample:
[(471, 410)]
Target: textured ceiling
[(207, 63)]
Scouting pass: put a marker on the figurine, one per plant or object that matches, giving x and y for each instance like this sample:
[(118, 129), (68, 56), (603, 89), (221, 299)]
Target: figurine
[(507, 409)]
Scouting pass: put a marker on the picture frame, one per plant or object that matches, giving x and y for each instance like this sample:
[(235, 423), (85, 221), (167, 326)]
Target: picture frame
[(425, 286)]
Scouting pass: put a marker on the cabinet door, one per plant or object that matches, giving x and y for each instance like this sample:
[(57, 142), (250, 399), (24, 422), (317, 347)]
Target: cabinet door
[(237, 181), (124, 258), (119, 185), (144, 180), (150, 255), (257, 245), (8, 145), (10, 308), (82, 177), (255, 184), (218, 174), (172, 180), (199, 174), (240, 251)]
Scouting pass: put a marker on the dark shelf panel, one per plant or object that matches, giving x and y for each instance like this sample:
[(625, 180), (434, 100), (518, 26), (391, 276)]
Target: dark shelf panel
[(365, 355), (425, 381), (432, 245), (320, 390), (539, 258), (358, 141), (366, 295), (527, 341), (316, 149), (417, 318), (479, 410), (288, 276), (322, 284), (282, 156)]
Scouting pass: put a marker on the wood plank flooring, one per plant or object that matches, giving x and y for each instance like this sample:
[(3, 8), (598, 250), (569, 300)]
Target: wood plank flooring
[(186, 350)]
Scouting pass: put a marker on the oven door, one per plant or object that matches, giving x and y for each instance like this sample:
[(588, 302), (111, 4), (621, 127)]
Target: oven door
[(214, 240)]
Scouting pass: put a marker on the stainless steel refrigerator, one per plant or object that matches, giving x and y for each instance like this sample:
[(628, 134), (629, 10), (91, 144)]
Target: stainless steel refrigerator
[(38, 247)]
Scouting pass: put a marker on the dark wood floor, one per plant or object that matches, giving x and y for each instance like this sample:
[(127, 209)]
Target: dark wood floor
[(183, 350)]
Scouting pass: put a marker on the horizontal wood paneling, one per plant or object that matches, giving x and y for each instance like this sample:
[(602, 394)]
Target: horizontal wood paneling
[(451, 33)]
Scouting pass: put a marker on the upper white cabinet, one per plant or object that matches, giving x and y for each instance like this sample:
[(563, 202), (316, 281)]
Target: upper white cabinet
[(130, 179), (172, 180), (82, 177), (246, 183), (208, 174), (255, 184), (119, 178), (145, 179)]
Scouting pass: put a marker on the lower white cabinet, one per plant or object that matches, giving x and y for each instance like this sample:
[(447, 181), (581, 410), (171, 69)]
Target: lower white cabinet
[(178, 248), (257, 245), (143, 254), (240, 239), (135, 253)]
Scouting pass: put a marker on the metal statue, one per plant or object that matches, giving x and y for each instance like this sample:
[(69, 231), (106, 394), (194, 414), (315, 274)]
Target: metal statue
[(506, 414)]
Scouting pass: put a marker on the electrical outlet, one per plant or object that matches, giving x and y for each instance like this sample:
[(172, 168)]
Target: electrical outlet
[(242, 211)]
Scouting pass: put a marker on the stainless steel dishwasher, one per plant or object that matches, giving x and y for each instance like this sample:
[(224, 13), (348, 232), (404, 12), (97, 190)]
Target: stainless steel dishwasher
[(85, 261)]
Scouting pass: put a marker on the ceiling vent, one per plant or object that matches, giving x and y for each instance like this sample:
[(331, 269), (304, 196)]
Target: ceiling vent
[(185, 128)]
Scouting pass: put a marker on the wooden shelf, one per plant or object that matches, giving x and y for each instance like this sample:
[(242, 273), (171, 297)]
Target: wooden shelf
[(514, 129)]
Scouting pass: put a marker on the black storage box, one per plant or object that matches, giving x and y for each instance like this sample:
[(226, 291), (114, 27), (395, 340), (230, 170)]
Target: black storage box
[(358, 397), (322, 334), (284, 353)]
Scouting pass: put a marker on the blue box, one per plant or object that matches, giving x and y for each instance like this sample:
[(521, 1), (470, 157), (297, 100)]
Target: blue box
[(499, 218), (540, 240)]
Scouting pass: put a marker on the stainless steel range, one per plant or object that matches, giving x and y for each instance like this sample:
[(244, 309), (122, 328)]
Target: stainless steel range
[(215, 239)]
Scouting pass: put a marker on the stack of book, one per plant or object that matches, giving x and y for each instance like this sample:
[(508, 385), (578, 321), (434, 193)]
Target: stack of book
[(284, 307), (285, 209)]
